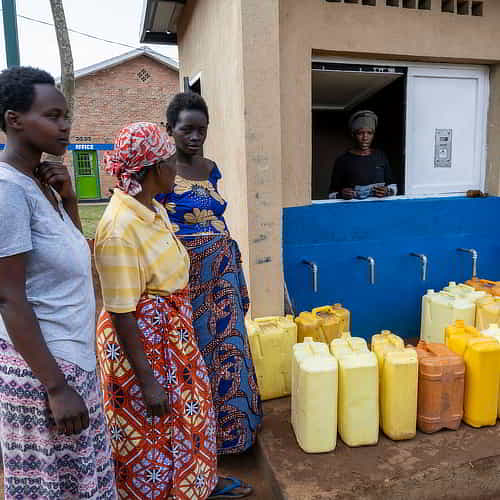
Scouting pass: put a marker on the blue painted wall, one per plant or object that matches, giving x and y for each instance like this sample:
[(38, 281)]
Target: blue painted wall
[(333, 235)]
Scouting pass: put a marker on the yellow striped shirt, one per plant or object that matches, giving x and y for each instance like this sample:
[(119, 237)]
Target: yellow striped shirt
[(137, 252)]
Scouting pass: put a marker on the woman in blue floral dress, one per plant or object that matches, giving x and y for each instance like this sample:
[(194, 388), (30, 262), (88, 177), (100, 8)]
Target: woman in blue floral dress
[(217, 286)]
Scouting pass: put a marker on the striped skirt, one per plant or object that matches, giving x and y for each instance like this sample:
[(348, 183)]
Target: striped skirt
[(39, 463), (173, 457)]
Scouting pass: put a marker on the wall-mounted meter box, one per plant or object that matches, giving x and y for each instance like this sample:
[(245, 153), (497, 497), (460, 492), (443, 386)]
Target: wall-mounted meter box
[(442, 148)]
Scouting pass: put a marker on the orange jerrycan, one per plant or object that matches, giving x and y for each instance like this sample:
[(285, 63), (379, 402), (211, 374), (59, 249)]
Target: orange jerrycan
[(491, 287), (487, 312), (441, 382), (482, 374), (271, 343)]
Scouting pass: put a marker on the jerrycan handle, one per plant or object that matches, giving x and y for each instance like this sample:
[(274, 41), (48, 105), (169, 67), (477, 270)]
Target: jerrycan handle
[(267, 320)]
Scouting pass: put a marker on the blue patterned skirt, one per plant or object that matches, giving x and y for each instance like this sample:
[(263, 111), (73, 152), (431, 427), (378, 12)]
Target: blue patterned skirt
[(220, 301)]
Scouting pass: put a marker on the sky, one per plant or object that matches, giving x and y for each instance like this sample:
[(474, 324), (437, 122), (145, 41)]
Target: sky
[(114, 20)]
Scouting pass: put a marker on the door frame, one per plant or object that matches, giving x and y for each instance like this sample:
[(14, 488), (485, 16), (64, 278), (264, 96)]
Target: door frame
[(95, 155)]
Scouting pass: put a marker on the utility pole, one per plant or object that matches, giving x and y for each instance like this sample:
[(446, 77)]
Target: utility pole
[(10, 32)]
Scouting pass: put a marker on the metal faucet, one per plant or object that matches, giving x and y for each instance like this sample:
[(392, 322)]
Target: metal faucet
[(315, 269), (371, 264), (423, 264), (475, 256)]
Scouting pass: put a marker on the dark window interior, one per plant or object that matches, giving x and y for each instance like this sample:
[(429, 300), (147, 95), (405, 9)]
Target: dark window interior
[(330, 137)]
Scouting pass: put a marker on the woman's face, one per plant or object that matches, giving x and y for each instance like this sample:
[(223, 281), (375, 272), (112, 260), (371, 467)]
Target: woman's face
[(46, 125), (190, 131), (364, 138)]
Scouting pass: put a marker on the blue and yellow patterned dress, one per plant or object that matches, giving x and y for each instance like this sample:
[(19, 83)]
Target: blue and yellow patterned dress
[(220, 301)]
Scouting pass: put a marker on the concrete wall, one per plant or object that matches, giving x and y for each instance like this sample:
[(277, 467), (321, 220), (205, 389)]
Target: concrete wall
[(210, 43), (320, 27), (493, 180), (234, 45)]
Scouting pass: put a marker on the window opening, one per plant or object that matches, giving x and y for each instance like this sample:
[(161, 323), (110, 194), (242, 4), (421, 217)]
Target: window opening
[(84, 164), (410, 4), (477, 8), (351, 1), (373, 3), (463, 8), (448, 6), (392, 3), (424, 4)]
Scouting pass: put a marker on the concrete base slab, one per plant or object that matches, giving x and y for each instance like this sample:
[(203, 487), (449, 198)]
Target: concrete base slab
[(463, 464)]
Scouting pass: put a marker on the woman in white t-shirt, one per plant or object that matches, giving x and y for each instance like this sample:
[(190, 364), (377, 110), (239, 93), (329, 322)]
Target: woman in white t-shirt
[(55, 444)]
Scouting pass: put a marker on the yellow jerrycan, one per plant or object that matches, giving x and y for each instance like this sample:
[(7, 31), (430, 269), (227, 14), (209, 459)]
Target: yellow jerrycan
[(308, 325), (487, 312), (328, 313), (494, 331), (314, 396), (440, 310), (358, 408), (458, 335), (482, 374), (464, 291), (271, 342), (398, 368)]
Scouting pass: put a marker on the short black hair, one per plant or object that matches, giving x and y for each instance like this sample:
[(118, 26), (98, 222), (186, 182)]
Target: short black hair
[(17, 89), (185, 101)]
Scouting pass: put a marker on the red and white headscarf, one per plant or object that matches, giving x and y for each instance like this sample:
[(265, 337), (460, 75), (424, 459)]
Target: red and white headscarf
[(137, 146)]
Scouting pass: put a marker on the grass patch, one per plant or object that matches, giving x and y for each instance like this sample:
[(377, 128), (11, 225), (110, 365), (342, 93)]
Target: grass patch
[(90, 215)]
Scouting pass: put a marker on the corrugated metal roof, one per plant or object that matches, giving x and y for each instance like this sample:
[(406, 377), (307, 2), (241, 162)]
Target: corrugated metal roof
[(159, 21)]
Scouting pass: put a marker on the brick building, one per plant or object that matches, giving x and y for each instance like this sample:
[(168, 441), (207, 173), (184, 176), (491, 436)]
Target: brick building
[(132, 87)]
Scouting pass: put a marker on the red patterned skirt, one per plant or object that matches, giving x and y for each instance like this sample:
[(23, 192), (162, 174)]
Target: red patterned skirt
[(173, 457)]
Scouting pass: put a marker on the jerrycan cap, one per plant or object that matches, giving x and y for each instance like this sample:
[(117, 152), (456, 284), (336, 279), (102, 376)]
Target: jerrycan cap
[(460, 323), (430, 291), (308, 340), (337, 306), (452, 283)]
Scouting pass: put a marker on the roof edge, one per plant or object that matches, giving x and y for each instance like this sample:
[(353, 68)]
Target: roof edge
[(123, 58)]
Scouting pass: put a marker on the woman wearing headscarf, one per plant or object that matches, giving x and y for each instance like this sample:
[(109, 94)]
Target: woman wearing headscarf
[(156, 388), (362, 171)]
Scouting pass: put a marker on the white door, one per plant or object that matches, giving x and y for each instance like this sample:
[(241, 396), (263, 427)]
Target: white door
[(442, 103)]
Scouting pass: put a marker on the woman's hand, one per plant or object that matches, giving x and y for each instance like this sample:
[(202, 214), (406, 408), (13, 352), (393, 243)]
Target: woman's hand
[(347, 194), (68, 409), (381, 191), (57, 176), (156, 399)]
